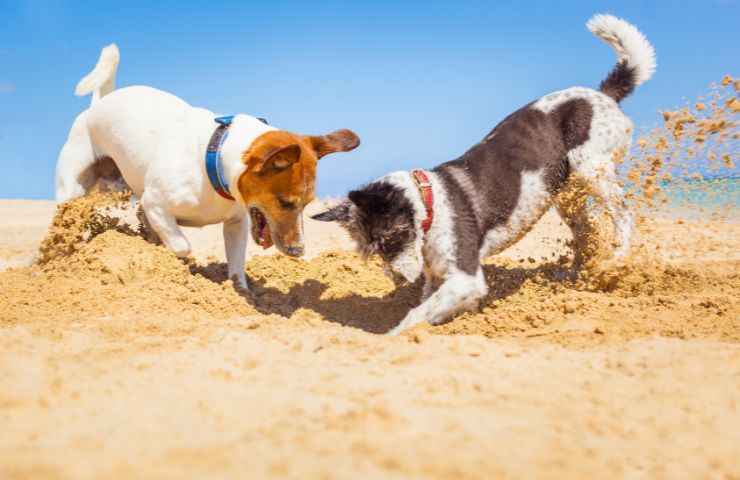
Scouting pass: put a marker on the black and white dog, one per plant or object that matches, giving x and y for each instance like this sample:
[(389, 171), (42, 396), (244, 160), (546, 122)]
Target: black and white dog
[(444, 221)]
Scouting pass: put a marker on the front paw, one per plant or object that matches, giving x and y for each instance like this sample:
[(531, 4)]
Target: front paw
[(395, 331), (180, 246), (240, 281), (411, 319)]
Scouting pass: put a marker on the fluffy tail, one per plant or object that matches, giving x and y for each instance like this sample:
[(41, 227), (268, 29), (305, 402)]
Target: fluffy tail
[(635, 55), (102, 80)]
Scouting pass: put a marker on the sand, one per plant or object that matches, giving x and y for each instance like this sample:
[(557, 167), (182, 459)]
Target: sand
[(119, 360)]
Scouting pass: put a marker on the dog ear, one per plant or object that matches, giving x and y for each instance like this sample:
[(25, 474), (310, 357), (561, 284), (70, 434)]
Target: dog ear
[(340, 141), (338, 213), (277, 159), (365, 201)]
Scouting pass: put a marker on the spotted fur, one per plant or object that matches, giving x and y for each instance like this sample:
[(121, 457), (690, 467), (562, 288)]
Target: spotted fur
[(492, 195)]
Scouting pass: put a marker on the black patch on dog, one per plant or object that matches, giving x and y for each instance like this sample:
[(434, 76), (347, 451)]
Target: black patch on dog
[(620, 82), (382, 223), (338, 213), (526, 140), (467, 229)]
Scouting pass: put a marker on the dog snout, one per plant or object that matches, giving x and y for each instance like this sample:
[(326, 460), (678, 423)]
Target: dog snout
[(294, 250)]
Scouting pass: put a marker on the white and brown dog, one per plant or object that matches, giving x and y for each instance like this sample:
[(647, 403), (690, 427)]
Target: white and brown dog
[(445, 221), (191, 168)]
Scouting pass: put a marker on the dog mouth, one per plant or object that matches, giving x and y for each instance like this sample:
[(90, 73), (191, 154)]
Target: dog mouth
[(260, 228)]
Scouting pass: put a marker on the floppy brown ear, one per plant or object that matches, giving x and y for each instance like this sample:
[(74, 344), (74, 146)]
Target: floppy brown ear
[(340, 141), (277, 158)]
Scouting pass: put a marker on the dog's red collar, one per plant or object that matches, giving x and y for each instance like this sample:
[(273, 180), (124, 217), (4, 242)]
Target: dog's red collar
[(427, 196)]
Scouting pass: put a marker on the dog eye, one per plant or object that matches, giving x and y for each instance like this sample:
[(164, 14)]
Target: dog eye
[(286, 204)]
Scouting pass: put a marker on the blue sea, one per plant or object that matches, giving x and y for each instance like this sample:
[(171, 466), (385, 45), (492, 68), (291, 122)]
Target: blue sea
[(720, 195)]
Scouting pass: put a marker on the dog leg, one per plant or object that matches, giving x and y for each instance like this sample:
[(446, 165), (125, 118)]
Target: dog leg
[(74, 175), (460, 291), (235, 241), (166, 226), (602, 181), (573, 207), (429, 283)]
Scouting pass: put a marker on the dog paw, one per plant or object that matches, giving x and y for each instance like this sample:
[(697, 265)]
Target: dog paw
[(181, 252), (411, 319), (180, 247), (240, 282), (393, 332)]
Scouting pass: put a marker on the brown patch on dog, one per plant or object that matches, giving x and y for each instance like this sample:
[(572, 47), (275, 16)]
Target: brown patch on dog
[(620, 82), (526, 140), (339, 141), (280, 179)]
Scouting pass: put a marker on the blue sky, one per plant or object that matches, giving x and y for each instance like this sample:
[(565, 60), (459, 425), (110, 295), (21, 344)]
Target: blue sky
[(420, 82)]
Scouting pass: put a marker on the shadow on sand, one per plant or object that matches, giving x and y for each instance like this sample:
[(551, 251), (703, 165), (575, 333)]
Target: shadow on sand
[(372, 314)]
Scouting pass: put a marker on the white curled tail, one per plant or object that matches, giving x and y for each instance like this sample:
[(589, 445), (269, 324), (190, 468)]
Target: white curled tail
[(102, 79), (635, 55)]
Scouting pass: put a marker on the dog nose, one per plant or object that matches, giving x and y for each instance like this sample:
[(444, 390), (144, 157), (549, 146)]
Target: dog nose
[(294, 250)]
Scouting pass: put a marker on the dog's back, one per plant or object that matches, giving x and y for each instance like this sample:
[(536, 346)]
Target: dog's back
[(491, 196), (500, 187), (125, 125)]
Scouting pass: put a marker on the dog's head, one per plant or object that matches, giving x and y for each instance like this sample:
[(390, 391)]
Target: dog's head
[(279, 181), (382, 220)]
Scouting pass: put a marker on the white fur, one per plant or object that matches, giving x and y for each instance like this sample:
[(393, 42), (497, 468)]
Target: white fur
[(158, 142), (440, 244), (458, 290), (628, 42), (610, 131), (409, 262), (434, 251), (102, 79), (552, 100), (462, 178), (534, 200)]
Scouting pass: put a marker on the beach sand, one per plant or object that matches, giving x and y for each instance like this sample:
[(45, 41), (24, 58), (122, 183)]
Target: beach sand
[(121, 361)]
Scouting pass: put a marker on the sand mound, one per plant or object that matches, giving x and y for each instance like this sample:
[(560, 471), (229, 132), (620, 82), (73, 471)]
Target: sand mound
[(93, 265), (77, 221), (626, 302), (116, 276), (121, 276), (97, 270)]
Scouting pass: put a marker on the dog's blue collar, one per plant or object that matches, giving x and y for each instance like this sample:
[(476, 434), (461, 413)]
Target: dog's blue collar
[(214, 168)]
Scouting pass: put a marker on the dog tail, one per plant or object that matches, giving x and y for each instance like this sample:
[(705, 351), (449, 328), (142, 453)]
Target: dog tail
[(635, 55), (102, 80)]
